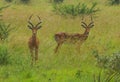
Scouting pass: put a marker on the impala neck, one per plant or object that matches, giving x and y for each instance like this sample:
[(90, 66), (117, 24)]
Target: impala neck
[(34, 37), (86, 33)]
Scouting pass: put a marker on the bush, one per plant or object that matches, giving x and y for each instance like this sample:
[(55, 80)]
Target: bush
[(8, 0), (114, 2), (75, 10), (112, 63), (4, 55), (25, 1), (58, 1), (4, 31)]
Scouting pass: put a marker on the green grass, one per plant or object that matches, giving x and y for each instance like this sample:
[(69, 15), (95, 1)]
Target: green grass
[(63, 66)]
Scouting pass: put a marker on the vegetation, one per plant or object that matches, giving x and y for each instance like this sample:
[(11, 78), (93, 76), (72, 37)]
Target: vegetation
[(109, 62), (25, 1), (4, 55), (75, 10), (8, 0), (58, 1), (107, 78), (114, 2), (4, 31), (67, 65)]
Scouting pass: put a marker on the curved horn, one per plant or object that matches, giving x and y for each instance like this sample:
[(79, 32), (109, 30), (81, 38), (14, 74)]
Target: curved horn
[(37, 25), (29, 22), (91, 23), (83, 23)]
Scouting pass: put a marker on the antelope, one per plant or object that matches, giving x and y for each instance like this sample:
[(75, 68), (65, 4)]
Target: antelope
[(33, 42), (76, 38)]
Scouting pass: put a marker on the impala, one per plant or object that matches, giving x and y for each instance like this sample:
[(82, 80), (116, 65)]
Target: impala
[(76, 38), (33, 42)]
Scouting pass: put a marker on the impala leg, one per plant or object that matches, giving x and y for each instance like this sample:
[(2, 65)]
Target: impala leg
[(78, 47), (36, 54), (32, 56), (56, 49)]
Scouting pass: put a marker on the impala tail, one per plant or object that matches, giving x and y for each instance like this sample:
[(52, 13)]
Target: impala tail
[(59, 37)]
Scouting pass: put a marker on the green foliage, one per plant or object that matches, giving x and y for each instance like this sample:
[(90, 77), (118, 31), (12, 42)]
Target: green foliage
[(112, 63), (8, 0), (25, 1), (75, 10), (102, 61), (4, 31), (58, 1), (4, 55), (114, 2)]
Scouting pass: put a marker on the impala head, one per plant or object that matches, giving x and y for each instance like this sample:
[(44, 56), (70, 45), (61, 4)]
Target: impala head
[(87, 26), (34, 28)]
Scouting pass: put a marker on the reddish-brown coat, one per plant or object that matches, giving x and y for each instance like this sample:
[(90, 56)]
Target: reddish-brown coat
[(76, 38), (33, 42)]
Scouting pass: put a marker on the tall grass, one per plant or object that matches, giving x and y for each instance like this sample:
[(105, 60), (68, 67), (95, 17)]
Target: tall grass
[(102, 77), (4, 55), (67, 65)]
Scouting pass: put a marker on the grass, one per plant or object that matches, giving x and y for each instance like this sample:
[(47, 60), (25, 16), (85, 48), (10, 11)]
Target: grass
[(63, 66)]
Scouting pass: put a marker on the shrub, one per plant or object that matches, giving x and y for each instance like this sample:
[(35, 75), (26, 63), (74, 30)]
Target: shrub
[(112, 63), (114, 2), (25, 1), (8, 0), (4, 55), (58, 1), (4, 31), (75, 10)]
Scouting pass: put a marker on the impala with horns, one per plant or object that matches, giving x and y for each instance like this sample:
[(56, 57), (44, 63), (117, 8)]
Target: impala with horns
[(76, 38), (33, 42)]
